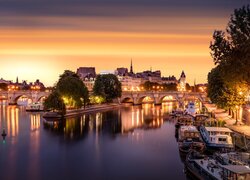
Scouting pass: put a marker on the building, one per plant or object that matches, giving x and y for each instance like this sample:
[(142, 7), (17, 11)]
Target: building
[(169, 80), (83, 72), (130, 83), (122, 71), (87, 75), (182, 82), (103, 72)]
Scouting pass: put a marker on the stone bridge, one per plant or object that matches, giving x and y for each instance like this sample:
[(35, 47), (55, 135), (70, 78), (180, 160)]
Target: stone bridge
[(137, 97), (13, 96)]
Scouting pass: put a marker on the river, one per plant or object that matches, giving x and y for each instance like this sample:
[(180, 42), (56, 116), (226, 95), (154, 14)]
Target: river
[(132, 142)]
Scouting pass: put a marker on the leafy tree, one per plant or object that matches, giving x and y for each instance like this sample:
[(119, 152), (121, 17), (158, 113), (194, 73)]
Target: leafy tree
[(55, 103), (229, 81), (231, 49), (107, 86), (170, 87), (3, 86), (72, 89)]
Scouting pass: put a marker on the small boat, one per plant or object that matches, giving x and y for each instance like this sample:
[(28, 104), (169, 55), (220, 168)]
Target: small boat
[(35, 107), (191, 109), (189, 138), (184, 120), (177, 113), (217, 137), (4, 134), (208, 168)]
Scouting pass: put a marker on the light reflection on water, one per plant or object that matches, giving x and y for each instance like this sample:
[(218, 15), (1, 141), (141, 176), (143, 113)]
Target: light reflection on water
[(124, 143)]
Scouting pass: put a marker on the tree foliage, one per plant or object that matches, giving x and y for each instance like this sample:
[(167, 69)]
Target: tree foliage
[(107, 86), (4, 86), (55, 103), (229, 81), (231, 49), (149, 86), (72, 89), (69, 92)]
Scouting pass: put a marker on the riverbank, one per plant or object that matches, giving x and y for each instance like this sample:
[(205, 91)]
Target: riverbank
[(221, 114), (88, 109)]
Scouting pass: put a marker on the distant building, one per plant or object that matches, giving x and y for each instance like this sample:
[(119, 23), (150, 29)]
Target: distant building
[(130, 83), (83, 72), (182, 82), (103, 72), (87, 75), (169, 80), (2, 81), (122, 71), (131, 67)]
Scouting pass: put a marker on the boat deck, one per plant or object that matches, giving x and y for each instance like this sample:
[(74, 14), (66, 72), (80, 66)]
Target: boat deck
[(211, 167)]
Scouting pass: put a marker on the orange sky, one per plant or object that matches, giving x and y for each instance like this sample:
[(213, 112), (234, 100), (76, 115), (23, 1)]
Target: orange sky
[(170, 44)]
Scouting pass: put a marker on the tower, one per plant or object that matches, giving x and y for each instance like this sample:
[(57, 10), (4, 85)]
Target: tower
[(17, 80), (182, 82), (131, 67)]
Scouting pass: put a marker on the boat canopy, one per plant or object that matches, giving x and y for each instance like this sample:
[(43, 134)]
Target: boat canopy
[(218, 129), (237, 169)]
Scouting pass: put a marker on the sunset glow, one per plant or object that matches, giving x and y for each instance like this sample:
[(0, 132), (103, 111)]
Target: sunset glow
[(43, 45)]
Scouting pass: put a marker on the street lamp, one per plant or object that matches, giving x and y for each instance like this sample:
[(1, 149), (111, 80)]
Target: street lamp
[(237, 108)]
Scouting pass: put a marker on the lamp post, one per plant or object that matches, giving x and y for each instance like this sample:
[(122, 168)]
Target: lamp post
[(237, 108)]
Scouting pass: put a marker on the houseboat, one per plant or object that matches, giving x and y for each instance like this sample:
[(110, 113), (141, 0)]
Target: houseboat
[(189, 138), (208, 168), (217, 137), (35, 107), (184, 120)]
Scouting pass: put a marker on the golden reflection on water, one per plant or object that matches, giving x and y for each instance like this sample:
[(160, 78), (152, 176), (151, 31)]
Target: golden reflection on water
[(149, 116), (121, 121), (35, 121), (12, 121)]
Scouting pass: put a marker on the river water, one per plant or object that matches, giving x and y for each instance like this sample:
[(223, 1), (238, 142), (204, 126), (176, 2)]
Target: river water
[(132, 142)]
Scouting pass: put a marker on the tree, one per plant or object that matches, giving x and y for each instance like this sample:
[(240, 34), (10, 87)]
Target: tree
[(229, 81), (55, 103), (231, 49), (107, 86), (4, 86), (72, 89), (170, 87)]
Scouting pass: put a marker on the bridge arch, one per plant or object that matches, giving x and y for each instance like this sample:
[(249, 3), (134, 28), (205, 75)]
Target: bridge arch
[(166, 98), (127, 99), (41, 98), (145, 99), (23, 99)]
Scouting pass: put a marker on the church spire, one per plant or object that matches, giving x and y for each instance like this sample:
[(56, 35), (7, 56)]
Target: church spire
[(131, 67)]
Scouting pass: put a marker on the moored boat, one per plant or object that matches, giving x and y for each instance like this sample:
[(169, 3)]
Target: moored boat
[(35, 107), (203, 167), (184, 120), (217, 137), (189, 138)]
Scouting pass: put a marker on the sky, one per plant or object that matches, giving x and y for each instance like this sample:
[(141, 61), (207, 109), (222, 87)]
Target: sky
[(39, 39)]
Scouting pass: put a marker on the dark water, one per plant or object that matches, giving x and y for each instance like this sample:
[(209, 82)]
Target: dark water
[(126, 143)]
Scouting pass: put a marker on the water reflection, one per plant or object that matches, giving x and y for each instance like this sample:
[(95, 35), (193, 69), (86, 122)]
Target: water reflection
[(9, 117), (120, 121), (35, 121)]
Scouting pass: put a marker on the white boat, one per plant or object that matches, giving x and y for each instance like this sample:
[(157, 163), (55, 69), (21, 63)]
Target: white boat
[(191, 109), (33, 107), (209, 168), (189, 138), (217, 137)]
